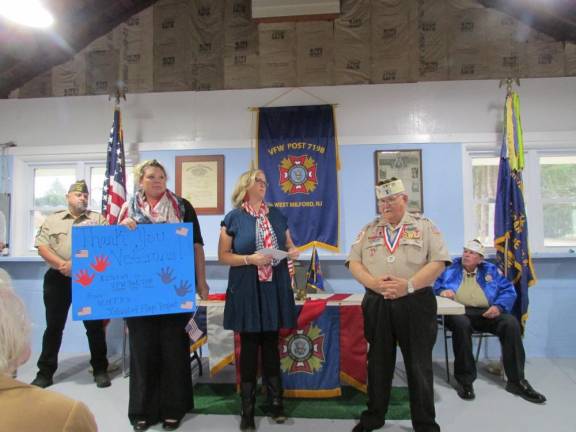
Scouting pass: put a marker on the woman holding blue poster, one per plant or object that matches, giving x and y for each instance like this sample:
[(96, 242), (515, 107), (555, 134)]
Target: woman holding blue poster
[(254, 241), (160, 372)]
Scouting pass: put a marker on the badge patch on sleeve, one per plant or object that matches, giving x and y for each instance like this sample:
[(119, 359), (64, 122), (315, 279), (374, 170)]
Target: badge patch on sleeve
[(359, 237)]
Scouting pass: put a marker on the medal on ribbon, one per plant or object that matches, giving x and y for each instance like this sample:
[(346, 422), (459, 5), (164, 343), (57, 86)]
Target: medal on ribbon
[(392, 241)]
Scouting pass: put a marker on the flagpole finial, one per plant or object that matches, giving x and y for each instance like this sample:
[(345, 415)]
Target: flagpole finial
[(509, 82), (119, 93)]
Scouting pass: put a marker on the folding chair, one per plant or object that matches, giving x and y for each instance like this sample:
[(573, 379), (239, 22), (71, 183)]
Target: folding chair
[(478, 335)]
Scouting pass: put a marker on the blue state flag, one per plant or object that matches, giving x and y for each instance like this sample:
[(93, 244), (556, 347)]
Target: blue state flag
[(510, 222), (297, 150), (310, 358), (314, 278)]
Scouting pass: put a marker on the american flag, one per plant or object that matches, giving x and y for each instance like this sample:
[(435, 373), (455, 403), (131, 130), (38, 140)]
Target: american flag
[(193, 330), (114, 189)]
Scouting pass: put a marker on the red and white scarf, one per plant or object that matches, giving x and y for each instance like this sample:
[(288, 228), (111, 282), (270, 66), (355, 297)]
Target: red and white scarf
[(166, 210), (265, 237)]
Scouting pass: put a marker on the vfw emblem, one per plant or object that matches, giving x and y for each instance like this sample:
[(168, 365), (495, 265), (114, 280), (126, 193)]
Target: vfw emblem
[(303, 351), (298, 174)]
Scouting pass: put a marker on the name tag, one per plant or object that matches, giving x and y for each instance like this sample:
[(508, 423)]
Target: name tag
[(412, 234)]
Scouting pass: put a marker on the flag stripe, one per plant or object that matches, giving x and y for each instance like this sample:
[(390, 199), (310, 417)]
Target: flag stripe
[(114, 188)]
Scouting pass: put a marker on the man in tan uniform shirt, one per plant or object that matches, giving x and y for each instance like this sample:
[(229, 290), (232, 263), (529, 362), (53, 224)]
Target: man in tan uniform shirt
[(24, 407), (54, 243), (397, 257)]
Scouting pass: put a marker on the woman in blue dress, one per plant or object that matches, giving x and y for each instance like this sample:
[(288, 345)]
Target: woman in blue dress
[(259, 298)]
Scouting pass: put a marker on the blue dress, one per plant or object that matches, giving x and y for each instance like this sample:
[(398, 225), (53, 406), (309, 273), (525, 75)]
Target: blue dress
[(251, 305)]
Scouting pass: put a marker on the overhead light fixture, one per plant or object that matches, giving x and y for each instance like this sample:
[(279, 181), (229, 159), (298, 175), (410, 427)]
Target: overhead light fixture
[(30, 13)]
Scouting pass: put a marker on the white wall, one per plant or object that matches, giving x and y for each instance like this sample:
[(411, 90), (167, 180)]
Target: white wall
[(460, 111), (463, 112)]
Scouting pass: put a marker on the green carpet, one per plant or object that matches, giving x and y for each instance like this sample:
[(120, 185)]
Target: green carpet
[(223, 399)]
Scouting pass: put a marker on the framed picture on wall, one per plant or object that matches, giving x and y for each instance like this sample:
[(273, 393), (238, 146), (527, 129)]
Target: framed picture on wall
[(200, 180), (405, 165)]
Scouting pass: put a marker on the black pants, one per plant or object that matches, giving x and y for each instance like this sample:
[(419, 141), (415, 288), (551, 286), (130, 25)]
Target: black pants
[(57, 300), (160, 371), (250, 344), (505, 326), (409, 322)]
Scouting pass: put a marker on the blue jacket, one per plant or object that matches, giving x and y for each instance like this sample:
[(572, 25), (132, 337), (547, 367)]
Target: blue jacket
[(498, 290)]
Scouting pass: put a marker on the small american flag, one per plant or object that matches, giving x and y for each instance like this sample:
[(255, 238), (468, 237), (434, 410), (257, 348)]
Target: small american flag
[(114, 189), (193, 331)]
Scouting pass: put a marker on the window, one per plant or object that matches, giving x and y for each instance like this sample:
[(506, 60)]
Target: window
[(49, 183), (97, 181), (50, 188), (558, 195), (549, 195), (484, 181)]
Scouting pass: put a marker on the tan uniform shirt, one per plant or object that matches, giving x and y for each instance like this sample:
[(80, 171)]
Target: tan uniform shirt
[(421, 243), (470, 293), (29, 408), (56, 231)]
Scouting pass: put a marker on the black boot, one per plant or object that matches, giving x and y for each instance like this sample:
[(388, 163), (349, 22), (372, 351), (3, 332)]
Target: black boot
[(248, 396), (274, 389)]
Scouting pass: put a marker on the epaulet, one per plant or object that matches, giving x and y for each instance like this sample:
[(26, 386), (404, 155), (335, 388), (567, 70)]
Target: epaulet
[(375, 222), (433, 226), (59, 211)]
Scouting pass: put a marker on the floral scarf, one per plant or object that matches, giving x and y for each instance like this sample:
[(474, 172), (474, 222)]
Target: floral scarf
[(265, 237), (170, 209)]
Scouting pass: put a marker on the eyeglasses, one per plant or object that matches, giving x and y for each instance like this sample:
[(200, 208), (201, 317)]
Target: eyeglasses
[(389, 201), (262, 182)]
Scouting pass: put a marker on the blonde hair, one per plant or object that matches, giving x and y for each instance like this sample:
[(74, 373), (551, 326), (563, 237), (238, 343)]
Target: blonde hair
[(14, 330), (141, 168), (245, 182)]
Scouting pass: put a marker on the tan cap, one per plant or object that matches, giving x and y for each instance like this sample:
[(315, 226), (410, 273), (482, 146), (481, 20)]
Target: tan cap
[(79, 186), (390, 187), (475, 246)]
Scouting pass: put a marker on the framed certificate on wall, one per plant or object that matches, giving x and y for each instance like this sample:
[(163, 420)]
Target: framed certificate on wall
[(405, 165), (200, 180)]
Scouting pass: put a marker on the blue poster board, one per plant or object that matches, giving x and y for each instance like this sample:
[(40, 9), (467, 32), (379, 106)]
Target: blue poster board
[(119, 273)]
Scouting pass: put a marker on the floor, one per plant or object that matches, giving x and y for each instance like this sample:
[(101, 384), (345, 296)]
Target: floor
[(494, 409)]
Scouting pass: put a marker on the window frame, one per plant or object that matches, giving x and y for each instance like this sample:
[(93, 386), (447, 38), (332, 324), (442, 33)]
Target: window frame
[(23, 190), (532, 193)]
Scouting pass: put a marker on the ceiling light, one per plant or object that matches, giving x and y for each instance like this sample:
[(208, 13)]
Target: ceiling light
[(26, 12)]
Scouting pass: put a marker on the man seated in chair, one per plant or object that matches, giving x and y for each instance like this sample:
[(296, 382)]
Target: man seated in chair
[(488, 297)]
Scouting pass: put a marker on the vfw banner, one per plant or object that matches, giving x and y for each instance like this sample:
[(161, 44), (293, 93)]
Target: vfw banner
[(298, 152), (310, 358)]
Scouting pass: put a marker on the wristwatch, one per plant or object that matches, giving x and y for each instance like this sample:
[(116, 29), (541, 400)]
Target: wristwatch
[(410, 287)]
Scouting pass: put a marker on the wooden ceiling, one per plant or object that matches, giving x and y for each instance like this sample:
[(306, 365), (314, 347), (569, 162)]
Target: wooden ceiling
[(26, 53)]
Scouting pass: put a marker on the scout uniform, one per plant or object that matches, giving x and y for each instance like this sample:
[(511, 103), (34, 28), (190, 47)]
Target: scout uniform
[(56, 233), (408, 321)]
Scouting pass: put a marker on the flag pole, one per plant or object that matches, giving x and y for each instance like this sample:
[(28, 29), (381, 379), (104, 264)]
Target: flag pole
[(119, 93)]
